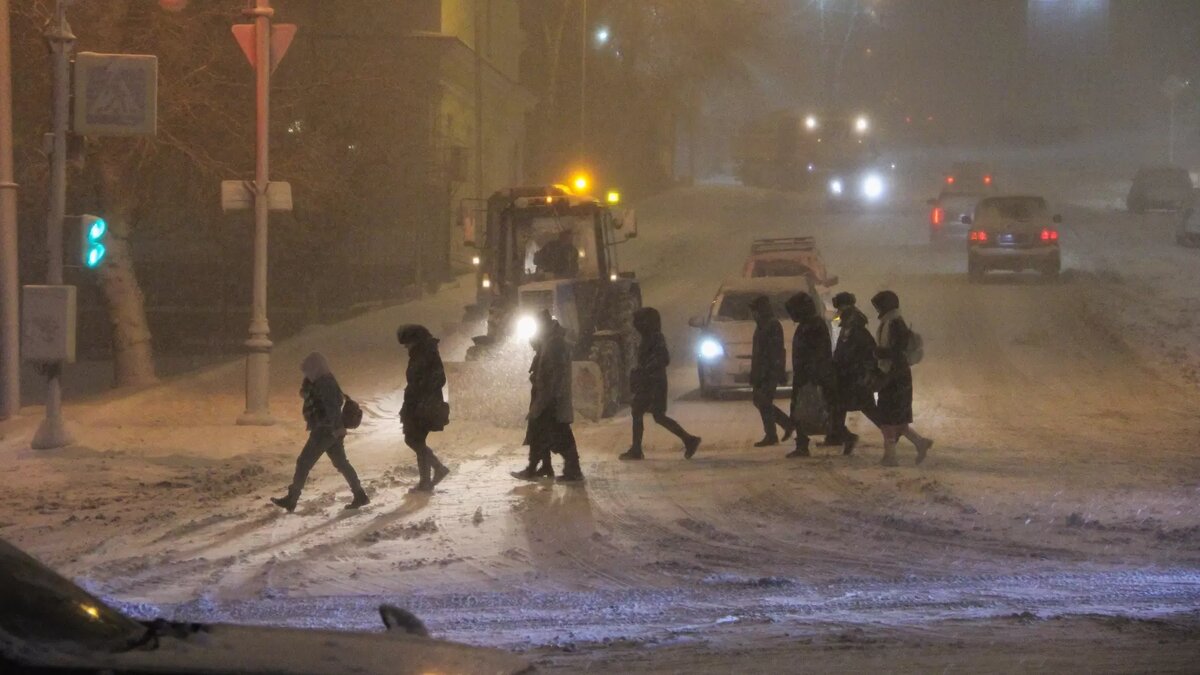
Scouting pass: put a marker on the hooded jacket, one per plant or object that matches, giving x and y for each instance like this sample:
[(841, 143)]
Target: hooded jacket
[(550, 374), (322, 396), (768, 356), (812, 346), (853, 360), (648, 380), (426, 376)]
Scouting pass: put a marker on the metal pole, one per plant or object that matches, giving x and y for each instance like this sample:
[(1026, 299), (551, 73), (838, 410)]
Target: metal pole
[(583, 33), (53, 432), (258, 358), (1171, 131), (10, 351)]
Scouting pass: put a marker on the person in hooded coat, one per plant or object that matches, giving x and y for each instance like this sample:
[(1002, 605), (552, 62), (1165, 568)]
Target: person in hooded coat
[(648, 380), (853, 362), (812, 358), (893, 372), (424, 409), (768, 370), (322, 411), (551, 410)]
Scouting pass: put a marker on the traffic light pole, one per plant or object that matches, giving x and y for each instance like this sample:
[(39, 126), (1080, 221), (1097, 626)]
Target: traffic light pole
[(53, 431), (258, 357), (10, 351)]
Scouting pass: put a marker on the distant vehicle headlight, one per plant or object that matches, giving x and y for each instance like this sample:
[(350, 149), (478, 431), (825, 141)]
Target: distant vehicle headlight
[(835, 186), (711, 349), (872, 186), (527, 327)]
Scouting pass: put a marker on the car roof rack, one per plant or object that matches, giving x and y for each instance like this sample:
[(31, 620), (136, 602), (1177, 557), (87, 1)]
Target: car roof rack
[(783, 244)]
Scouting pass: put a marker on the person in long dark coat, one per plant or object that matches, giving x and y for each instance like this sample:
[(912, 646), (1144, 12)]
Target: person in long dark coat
[(551, 411), (768, 370), (648, 380), (424, 409), (853, 362), (812, 358), (322, 411), (893, 371)]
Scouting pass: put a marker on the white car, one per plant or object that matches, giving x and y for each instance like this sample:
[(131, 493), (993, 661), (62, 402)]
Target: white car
[(726, 338)]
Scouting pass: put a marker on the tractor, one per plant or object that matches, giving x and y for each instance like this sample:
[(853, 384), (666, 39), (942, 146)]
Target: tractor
[(550, 248)]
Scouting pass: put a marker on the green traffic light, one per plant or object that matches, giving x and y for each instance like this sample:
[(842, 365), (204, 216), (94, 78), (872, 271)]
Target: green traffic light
[(97, 231), (95, 256)]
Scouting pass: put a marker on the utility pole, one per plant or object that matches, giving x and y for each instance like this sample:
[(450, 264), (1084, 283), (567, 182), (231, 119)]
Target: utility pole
[(53, 431), (10, 351), (583, 40), (258, 357)]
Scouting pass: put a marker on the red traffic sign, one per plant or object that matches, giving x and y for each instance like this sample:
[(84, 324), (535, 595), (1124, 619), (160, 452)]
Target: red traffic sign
[(281, 39)]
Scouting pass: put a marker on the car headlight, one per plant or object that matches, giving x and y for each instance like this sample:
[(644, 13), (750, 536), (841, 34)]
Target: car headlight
[(711, 349), (527, 327), (872, 186), (835, 186)]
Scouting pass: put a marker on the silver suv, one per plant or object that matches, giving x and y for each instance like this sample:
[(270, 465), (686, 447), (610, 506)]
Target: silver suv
[(1012, 233)]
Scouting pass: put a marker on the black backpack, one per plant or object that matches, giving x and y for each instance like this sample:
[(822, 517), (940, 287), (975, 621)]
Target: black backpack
[(352, 414)]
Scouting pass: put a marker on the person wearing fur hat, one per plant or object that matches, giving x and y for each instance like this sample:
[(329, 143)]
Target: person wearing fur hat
[(648, 380), (322, 411), (894, 415), (424, 410)]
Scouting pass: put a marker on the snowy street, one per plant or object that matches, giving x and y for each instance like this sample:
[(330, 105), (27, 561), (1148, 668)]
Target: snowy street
[(1057, 514)]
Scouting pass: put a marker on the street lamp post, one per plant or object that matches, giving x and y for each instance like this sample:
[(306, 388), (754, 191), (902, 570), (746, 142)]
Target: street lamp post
[(258, 357), (10, 353), (583, 42), (52, 433)]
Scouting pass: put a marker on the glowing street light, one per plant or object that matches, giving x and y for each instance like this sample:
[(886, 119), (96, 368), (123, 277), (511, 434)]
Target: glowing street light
[(602, 35), (862, 124), (810, 122)]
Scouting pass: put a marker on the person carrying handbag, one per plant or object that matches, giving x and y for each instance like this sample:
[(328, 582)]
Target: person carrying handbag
[(424, 410), (813, 379), (893, 375)]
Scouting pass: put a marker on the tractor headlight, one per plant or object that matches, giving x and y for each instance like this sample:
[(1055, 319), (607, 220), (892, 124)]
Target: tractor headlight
[(835, 186), (872, 186), (527, 327), (711, 349)]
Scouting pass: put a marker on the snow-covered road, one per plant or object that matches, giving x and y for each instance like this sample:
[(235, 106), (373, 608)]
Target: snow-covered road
[(1065, 479)]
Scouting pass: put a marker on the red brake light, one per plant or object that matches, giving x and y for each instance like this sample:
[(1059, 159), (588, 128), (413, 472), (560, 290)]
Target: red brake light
[(949, 180), (978, 235), (1049, 235), (937, 216), (987, 180)]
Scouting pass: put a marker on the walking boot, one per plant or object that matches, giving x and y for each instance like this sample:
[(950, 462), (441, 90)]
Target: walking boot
[(528, 473), (631, 454), (571, 471), (923, 449), (547, 471), (425, 484), (287, 502), (889, 454), (690, 446), (360, 499), (849, 444), (767, 442), (802, 451), (440, 471)]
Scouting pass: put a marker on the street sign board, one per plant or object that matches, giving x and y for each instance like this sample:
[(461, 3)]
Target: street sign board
[(281, 38), (116, 94), (238, 195), (48, 324)]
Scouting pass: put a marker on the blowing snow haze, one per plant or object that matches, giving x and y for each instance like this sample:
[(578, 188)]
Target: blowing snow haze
[(654, 336)]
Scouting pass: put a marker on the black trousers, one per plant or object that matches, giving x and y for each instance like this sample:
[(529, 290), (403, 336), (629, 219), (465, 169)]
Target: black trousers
[(639, 427), (547, 435), (772, 416), (417, 439), (321, 441)]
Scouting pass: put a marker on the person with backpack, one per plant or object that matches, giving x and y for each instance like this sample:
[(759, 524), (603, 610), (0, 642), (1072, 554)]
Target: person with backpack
[(853, 362), (898, 349), (323, 401), (648, 381), (768, 370), (551, 410), (812, 369), (424, 410)]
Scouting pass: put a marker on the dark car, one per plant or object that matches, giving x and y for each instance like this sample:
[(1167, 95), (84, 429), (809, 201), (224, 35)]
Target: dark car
[(1160, 188), (50, 625)]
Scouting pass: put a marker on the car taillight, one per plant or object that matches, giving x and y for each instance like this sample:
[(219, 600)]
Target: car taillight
[(987, 180), (949, 180), (978, 236), (1049, 236), (937, 216)]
